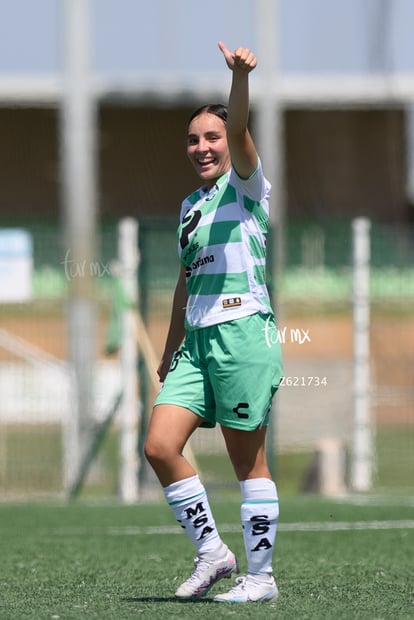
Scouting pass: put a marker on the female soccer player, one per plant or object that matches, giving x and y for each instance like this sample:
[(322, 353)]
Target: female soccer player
[(229, 366)]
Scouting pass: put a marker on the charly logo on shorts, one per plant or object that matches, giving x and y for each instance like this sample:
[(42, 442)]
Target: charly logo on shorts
[(243, 415)]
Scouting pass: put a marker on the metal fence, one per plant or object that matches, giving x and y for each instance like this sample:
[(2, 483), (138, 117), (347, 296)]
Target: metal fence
[(315, 327)]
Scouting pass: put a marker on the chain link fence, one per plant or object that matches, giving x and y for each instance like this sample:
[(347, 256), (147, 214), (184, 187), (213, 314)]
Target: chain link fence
[(314, 325)]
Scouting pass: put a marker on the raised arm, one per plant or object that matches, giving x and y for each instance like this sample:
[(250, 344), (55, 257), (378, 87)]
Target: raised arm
[(242, 149)]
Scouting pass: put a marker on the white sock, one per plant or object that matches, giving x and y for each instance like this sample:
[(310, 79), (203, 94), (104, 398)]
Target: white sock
[(259, 514), (188, 500)]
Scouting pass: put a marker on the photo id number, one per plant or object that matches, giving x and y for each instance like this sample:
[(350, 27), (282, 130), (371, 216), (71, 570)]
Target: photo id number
[(303, 382)]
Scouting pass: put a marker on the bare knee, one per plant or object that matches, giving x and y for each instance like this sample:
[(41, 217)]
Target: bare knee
[(156, 451), (168, 431), (166, 460)]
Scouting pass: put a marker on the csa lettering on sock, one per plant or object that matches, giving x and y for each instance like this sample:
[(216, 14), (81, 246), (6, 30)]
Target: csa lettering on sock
[(261, 525)]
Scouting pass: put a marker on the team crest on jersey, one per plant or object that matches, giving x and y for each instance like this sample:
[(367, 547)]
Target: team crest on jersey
[(232, 302)]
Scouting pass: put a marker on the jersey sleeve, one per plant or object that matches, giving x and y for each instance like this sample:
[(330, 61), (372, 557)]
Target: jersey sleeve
[(256, 187), (185, 206)]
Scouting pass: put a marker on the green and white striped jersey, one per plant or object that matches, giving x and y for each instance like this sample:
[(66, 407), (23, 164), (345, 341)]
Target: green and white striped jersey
[(222, 245)]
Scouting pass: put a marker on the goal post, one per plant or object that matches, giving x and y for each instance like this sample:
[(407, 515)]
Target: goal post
[(362, 424), (130, 405)]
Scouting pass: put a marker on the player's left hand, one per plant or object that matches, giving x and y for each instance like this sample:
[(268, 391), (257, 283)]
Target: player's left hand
[(241, 59)]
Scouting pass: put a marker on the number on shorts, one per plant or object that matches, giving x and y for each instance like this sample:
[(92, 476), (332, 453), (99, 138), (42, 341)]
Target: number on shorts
[(175, 360)]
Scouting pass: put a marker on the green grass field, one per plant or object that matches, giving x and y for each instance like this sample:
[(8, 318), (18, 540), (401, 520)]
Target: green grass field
[(334, 559)]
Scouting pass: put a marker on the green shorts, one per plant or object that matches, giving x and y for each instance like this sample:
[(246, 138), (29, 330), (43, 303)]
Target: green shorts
[(227, 373)]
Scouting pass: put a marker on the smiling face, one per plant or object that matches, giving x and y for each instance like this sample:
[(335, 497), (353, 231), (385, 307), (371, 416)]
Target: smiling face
[(207, 147)]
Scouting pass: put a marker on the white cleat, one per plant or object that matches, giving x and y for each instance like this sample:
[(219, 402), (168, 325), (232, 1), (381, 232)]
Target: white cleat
[(207, 571), (250, 589)]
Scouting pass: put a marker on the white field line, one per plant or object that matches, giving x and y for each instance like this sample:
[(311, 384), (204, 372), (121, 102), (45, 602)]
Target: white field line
[(318, 526), (376, 500)]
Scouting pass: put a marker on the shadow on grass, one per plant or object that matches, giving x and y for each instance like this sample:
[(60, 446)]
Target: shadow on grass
[(164, 599)]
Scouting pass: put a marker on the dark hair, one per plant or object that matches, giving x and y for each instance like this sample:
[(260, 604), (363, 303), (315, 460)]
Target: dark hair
[(218, 109)]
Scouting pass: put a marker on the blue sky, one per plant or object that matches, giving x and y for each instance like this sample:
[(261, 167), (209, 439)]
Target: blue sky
[(146, 36)]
